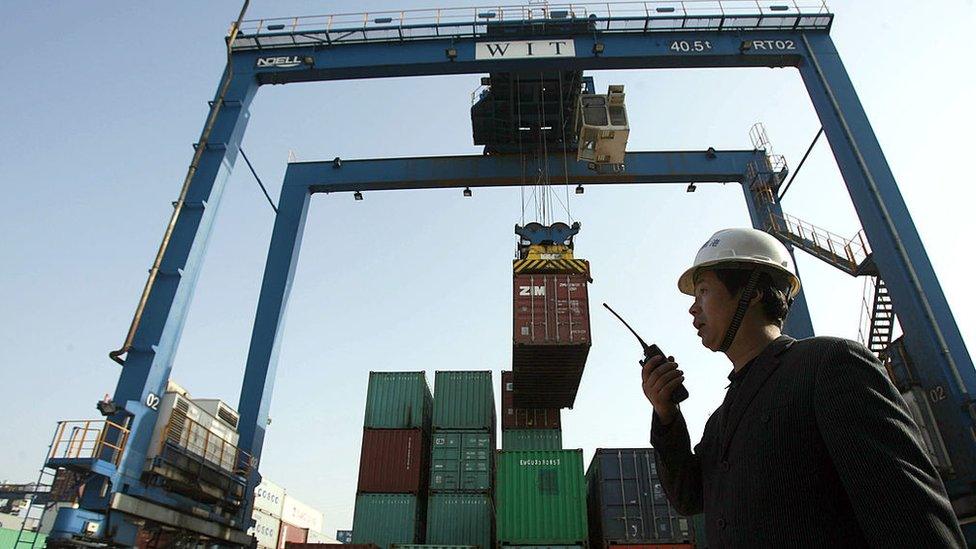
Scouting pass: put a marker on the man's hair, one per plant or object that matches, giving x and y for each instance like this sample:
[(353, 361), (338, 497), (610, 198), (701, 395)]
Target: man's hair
[(774, 302)]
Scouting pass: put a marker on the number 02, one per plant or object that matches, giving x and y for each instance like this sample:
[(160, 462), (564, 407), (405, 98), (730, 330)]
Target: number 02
[(152, 401)]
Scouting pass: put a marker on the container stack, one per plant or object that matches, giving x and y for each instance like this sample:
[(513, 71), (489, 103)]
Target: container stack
[(391, 498), (269, 501), (627, 505), (528, 428), (280, 518), (460, 507), (551, 317), (541, 499)]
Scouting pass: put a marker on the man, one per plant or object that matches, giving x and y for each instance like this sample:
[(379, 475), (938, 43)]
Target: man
[(813, 446)]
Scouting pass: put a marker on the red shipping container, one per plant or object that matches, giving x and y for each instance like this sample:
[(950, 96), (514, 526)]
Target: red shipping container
[(524, 418), (551, 338), (394, 461), (289, 533)]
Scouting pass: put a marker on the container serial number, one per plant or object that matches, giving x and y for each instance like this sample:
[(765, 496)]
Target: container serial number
[(533, 462), (691, 45)]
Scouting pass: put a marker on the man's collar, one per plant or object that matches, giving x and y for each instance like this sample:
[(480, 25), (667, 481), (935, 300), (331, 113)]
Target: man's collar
[(773, 349)]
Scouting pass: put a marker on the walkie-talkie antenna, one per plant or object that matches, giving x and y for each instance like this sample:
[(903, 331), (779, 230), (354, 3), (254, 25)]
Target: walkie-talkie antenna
[(644, 345)]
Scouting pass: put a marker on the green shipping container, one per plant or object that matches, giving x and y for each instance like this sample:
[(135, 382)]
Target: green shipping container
[(532, 439), (434, 547), (464, 400), (540, 498), (398, 400), (461, 461), (8, 539), (464, 519), (388, 519)]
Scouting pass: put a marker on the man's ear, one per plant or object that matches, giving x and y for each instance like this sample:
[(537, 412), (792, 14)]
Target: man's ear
[(756, 299)]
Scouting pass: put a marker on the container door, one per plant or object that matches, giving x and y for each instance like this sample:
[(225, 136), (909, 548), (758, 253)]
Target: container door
[(445, 461)]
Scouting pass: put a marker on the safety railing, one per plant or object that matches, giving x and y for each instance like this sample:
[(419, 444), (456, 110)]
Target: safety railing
[(89, 439), (652, 16), (847, 254), (204, 442)]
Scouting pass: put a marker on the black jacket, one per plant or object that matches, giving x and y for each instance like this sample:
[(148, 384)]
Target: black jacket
[(819, 451)]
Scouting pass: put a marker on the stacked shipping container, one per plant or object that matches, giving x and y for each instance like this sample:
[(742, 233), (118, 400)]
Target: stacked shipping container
[(460, 508), (626, 503), (527, 428), (280, 518), (391, 498), (541, 498)]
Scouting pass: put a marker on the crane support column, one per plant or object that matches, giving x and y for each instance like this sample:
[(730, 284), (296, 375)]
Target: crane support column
[(148, 363), (932, 337), (262, 356)]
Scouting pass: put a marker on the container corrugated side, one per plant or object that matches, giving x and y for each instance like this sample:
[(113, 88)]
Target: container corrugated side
[(460, 519), (266, 529), (626, 502), (289, 533), (300, 514), (398, 400), (387, 519), (540, 498), (269, 498), (394, 461), (461, 461), (532, 439), (464, 400), (524, 418), (551, 339)]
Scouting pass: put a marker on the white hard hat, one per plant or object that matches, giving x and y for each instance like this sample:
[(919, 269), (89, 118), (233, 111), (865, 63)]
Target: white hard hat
[(743, 248)]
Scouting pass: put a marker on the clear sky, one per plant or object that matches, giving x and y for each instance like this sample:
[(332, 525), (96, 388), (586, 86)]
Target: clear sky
[(102, 100)]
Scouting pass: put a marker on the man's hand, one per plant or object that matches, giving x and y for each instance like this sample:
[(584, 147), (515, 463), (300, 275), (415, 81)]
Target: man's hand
[(661, 377)]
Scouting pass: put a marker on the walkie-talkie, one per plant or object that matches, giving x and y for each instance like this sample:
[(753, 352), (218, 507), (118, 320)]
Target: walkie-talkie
[(680, 393)]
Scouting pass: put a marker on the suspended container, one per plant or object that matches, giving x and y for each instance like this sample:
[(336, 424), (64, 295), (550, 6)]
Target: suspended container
[(461, 461), (460, 520), (532, 439), (551, 340), (394, 461), (387, 519), (524, 418), (540, 498), (551, 317), (398, 400), (464, 400), (626, 502)]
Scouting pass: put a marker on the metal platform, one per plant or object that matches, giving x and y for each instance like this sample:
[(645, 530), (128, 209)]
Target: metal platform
[(629, 17)]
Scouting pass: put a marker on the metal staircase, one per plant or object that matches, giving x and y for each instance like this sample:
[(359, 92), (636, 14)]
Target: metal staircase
[(851, 255), (877, 318), (38, 501)]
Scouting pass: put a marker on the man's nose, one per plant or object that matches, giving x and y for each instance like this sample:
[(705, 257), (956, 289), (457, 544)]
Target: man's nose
[(694, 309)]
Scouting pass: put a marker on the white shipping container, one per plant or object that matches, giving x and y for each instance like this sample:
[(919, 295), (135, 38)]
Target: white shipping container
[(319, 537), (269, 497), (301, 515), (265, 529)]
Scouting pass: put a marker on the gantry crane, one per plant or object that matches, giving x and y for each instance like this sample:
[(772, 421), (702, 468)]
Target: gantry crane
[(541, 47)]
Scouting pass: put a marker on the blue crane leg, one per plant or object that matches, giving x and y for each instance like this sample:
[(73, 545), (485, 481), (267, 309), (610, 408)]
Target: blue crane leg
[(932, 337), (262, 357), (149, 362)]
